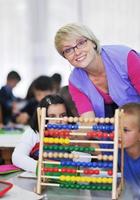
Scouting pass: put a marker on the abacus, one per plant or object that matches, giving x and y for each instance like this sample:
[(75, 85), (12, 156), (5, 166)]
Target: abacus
[(60, 147)]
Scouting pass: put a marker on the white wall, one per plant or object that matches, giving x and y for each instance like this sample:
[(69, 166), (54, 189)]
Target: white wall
[(27, 29)]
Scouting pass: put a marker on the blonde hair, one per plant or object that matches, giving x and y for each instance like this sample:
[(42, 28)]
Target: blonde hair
[(132, 109), (72, 30)]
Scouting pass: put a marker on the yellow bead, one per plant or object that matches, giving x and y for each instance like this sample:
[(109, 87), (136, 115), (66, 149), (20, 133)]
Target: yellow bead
[(46, 140), (78, 179), (72, 178), (51, 140), (68, 178), (67, 141), (93, 180), (109, 180), (56, 140), (62, 178), (99, 180)]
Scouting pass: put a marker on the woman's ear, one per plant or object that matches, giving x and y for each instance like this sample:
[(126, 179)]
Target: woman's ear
[(94, 46)]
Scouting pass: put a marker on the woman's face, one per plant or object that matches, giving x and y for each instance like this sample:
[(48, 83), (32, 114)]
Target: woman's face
[(56, 111), (131, 131), (79, 52)]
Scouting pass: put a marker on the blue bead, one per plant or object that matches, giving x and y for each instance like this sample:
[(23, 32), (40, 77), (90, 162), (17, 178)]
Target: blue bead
[(110, 165), (76, 126), (69, 126), (49, 126), (64, 126), (94, 164), (89, 164), (94, 127), (84, 164), (63, 163), (78, 164), (100, 164)]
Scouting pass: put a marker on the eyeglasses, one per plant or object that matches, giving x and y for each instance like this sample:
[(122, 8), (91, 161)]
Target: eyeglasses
[(70, 51)]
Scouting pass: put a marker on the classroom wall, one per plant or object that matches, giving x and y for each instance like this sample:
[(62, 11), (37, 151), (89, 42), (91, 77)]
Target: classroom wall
[(27, 29)]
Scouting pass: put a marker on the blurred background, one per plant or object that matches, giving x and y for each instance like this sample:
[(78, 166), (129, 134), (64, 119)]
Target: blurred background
[(27, 29)]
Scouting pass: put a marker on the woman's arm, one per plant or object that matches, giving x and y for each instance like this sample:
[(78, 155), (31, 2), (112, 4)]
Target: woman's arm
[(133, 61)]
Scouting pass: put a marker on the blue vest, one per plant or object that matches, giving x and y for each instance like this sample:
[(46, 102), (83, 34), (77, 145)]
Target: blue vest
[(120, 88)]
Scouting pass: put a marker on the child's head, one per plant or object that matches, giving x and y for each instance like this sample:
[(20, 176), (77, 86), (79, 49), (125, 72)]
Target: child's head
[(42, 86), (13, 78), (55, 107), (131, 124)]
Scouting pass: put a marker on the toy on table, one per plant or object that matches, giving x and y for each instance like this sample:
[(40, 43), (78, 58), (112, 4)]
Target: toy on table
[(57, 142), (5, 187)]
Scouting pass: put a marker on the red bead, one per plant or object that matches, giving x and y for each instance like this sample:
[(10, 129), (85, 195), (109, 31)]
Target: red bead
[(89, 134), (64, 170), (55, 169), (105, 135), (110, 172), (99, 134), (111, 136), (97, 171), (86, 171), (94, 134)]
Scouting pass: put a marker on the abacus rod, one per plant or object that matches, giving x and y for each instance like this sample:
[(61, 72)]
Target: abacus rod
[(92, 141), (50, 184)]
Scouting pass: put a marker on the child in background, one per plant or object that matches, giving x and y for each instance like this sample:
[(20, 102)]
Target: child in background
[(41, 87), (24, 155), (7, 99), (131, 126)]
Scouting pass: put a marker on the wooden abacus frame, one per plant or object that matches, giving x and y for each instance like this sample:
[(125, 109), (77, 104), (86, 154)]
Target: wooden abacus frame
[(118, 132)]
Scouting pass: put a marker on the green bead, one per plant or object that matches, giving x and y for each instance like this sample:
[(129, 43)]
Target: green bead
[(104, 187), (76, 148), (77, 186), (83, 187), (67, 186), (86, 149), (88, 187), (91, 149), (109, 188), (81, 149), (99, 187), (71, 148), (62, 185), (61, 148), (72, 186), (93, 187), (66, 148)]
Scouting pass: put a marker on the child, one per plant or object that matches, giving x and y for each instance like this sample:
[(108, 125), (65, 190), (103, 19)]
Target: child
[(7, 98), (42, 86), (131, 126), (55, 107)]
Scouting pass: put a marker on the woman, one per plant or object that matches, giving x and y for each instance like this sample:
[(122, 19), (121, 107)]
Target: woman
[(103, 77)]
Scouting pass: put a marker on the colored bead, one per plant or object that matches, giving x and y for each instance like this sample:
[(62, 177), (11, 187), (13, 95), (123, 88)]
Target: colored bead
[(112, 120), (60, 155), (110, 172), (65, 119), (81, 119), (66, 155), (100, 157), (75, 119), (70, 119), (97, 120)]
